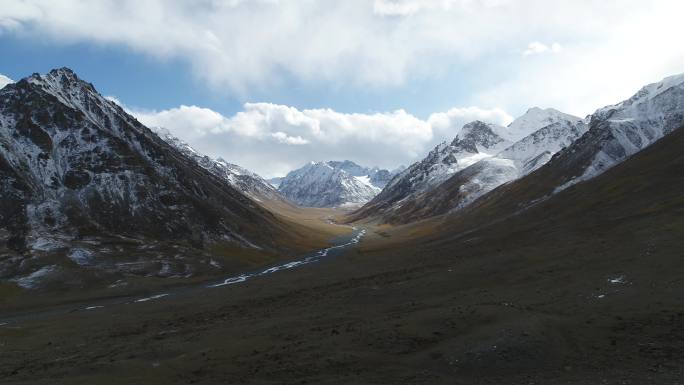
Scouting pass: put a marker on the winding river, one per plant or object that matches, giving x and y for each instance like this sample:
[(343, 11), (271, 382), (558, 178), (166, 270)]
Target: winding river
[(339, 245)]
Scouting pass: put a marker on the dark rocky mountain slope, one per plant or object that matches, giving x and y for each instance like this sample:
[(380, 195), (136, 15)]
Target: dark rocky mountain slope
[(81, 177)]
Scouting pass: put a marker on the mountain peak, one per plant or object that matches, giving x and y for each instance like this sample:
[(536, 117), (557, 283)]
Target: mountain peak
[(342, 163), (61, 76), (478, 135), (645, 94), (68, 88), (63, 71), (657, 88), (539, 110), (350, 167), (623, 129), (534, 119), (320, 164), (475, 125)]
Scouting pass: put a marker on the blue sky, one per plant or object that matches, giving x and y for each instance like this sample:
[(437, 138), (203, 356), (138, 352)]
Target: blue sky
[(161, 83), (135, 78), (273, 84)]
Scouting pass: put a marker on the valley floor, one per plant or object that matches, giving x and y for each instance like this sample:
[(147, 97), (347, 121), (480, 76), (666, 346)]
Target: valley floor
[(472, 314)]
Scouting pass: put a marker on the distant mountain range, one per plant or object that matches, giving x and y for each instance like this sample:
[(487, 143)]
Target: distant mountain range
[(332, 184)]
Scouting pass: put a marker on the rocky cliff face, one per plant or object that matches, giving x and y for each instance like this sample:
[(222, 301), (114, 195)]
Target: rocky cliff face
[(79, 173)]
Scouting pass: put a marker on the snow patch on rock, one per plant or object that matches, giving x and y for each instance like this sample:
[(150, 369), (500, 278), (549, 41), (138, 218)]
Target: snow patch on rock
[(82, 257), (34, 279)]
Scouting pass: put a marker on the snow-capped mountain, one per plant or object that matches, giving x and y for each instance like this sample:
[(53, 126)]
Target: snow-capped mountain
[(565, 151), (373, 175), (614, 134), (476, 140), (78, 174), (242, 179), (558, 130), (535, 118), (621, 130), (514, 162), (478, 143), (554, 132), (332, 184), (486, 154)]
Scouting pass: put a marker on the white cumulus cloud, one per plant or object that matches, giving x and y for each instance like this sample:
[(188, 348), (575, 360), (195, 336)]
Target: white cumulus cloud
[(273, 139), (284, 138)]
